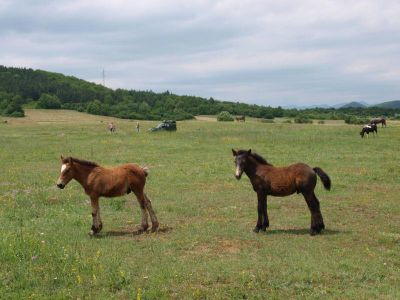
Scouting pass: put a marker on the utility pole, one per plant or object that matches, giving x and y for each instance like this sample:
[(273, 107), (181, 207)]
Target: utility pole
[(104, 78)]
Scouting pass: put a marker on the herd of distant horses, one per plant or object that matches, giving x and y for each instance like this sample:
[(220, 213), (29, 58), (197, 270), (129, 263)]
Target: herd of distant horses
[(266, 179), (372, 127)]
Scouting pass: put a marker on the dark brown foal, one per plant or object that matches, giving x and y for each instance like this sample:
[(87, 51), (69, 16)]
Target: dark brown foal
[(269, 180)]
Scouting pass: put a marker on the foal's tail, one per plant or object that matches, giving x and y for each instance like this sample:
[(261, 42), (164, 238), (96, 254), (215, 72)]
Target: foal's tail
[(146, 171), (326, 181)]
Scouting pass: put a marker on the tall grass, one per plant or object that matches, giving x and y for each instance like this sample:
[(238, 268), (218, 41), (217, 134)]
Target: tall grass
[(205, 248)]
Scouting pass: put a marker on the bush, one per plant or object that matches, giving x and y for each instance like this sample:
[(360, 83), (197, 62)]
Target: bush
[(95, 108), (14, 108), (356, 120), (224, 116), (302, 120), (48, 102), (17, 114), (321, 122)]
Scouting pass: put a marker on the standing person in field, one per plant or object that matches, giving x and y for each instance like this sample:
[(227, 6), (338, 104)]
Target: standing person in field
[(111, 127), (137, 127)]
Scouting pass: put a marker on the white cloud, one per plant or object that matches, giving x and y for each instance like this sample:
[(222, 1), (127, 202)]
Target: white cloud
[(267, 52)]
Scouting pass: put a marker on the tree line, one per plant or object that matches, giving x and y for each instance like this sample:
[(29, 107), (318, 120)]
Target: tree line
[(48, 90)]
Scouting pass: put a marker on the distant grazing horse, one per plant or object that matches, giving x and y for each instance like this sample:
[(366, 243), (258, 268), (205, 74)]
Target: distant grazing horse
[(240, 118), (377, 121), (103, 182), (284, 181), (369, 128)]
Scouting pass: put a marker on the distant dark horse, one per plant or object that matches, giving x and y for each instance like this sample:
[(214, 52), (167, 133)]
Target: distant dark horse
[(269, 180), (377, 121), (240, 118), (369, 128)]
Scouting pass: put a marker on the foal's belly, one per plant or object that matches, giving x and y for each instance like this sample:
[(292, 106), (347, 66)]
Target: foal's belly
[(115, 190), (282, 190)]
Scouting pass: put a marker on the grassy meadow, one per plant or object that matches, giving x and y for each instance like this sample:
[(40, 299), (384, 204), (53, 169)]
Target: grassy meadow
[(205, 248)]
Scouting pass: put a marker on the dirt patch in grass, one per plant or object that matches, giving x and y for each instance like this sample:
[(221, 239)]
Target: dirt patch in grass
[(206, 118), (219, 247)]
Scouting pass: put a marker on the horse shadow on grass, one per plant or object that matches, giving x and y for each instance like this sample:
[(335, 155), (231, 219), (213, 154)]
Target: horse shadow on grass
[(126, 232), (303, 231)]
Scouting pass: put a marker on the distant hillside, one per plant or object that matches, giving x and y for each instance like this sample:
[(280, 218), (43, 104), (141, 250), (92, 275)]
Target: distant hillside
[(19, 86), (353, 104), (389, 104)]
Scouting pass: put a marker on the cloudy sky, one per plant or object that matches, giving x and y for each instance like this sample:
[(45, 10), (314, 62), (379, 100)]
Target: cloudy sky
[(265, 52)]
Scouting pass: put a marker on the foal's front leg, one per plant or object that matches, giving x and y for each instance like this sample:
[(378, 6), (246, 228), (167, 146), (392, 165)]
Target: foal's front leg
[(261, 210), (265, 215), (97, 225)]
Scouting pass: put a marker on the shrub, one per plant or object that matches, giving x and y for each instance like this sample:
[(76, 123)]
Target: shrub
[(355, 120), (95, 108), (48, 102), (321, 122), (302, 120), (14, 108), (224, 116)]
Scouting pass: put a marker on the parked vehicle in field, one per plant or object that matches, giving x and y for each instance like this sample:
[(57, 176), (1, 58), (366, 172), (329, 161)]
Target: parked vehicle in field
[(169, 125)]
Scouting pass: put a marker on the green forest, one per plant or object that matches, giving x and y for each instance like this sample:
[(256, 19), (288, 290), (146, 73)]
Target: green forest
[(21, 87)]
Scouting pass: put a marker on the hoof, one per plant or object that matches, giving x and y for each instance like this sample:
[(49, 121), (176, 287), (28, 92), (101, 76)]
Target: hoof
[(142, 229), (154, 227), (95, 230), (315, 231), (256, 229)]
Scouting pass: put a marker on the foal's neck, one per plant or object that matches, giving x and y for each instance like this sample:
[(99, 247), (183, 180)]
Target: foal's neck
[(82, 172), (251, 167)]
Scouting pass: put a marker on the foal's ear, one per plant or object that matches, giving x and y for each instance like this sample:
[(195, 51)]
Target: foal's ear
[(234, 152), (61, 157), (249, 152)]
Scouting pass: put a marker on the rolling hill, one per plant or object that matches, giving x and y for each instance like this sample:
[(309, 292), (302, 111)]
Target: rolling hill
[(19, 86), (389, 104)]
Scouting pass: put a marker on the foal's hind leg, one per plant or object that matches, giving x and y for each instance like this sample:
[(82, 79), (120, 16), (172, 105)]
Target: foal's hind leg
[(142, 202), (317, 222), (154, 221), (97, 225)]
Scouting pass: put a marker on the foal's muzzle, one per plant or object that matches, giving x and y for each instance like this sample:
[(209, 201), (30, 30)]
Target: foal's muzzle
[(60, 185), (238, 176)]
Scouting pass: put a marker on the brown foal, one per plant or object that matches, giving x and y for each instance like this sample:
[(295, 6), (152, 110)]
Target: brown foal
[(269, 180), (108, 182)]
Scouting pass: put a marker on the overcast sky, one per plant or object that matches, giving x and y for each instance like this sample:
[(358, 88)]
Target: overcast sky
[(264, 52)]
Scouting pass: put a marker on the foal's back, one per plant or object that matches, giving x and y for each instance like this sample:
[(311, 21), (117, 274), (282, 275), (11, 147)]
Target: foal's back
[(117, 181), (284, 181)]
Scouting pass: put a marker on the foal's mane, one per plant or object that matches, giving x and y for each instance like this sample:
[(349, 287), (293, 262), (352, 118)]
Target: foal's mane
[(82, 162), (257, 157)]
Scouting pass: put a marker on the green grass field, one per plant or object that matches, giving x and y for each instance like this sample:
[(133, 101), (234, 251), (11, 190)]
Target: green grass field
[(205, 248)]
